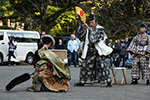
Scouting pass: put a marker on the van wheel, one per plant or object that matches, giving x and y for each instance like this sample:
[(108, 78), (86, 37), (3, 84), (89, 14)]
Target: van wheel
[(29, 58), (1, 59)]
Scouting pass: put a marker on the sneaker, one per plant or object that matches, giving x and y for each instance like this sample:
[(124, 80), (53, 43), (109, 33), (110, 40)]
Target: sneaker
[(147, 82), (30, 89), (79, 84), (14, 65), (109, 84), (134, 82), (8, 65)]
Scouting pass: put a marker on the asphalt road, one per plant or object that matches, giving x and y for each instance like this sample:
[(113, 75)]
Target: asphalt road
[(88, 92)]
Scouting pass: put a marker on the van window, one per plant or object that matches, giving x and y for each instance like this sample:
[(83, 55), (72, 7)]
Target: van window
[(1, 35), (24, 37)]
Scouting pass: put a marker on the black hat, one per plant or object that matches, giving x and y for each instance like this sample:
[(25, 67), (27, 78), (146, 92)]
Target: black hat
[(46, 40), (143, 25), (91, 17)]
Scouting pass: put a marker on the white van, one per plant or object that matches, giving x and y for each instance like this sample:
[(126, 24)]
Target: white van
[(26, 44)]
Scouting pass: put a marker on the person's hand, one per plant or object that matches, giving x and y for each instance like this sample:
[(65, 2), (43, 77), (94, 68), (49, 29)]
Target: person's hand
[(78, 53), (66, 60), (147, 55), (125, 55), (81, 51), (77, 17), (86, 25)]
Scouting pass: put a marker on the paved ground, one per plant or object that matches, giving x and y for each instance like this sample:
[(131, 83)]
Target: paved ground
[(88, 92)]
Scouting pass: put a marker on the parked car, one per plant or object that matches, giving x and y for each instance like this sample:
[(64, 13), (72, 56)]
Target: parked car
[(65, 38)]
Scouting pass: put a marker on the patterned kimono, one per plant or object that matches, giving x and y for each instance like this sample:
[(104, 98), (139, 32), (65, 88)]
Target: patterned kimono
[(52, 74), (141, 46), (94, 67)]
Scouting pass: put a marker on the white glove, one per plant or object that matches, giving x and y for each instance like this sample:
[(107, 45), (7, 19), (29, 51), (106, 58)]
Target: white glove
[(66, 60)]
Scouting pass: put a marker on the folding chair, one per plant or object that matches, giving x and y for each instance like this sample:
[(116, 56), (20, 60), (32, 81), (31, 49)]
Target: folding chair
[(114, 72)]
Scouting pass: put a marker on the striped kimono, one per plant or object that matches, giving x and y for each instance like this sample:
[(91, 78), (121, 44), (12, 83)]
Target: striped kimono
[(95, 65), (141, 46)]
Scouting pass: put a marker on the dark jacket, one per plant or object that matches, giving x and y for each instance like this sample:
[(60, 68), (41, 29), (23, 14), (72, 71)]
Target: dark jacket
[(127, 43), (123, 50)]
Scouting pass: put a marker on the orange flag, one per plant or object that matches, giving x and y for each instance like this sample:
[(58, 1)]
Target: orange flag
[(81, 13)]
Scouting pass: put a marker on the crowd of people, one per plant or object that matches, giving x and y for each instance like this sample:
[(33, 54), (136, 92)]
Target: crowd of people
[(75, 50), (122, 55)]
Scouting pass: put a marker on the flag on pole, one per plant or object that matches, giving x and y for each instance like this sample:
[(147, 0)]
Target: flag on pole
[(81, 13), (15, 60)]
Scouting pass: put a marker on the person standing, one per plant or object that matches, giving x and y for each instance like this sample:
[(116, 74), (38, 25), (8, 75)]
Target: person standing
[(122, 54), (80, 48), (39, 42), (140, 47), (126, 42), (60, 45), (111, 44), (72, 47), (94, 66), (12, 47)]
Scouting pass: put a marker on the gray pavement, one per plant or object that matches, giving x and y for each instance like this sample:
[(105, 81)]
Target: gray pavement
[(88, 92)]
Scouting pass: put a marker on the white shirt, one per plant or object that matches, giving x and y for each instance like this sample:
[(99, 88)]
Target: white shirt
[(72, 45)]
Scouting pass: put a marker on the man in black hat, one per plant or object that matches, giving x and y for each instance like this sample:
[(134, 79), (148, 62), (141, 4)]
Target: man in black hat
[(95, 66), (140, 47)]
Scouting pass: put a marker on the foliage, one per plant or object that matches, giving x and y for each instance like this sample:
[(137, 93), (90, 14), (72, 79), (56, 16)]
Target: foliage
[(120, 18), (43, 14), (4, 12), (6, 27)]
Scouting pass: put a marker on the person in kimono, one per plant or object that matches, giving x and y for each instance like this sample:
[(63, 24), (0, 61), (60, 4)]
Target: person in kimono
[(95, 65), (140, 47), (51, 73)]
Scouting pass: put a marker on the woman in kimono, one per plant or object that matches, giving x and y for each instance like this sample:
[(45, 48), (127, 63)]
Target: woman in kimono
[(140, 47)]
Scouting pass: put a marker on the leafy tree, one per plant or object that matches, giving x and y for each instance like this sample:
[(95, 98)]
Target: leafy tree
[(44, 14), (120, 17)]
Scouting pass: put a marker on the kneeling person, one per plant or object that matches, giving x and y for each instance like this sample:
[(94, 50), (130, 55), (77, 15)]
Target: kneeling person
[(51, 73)]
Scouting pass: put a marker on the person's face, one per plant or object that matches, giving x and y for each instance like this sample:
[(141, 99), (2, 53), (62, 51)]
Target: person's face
[(93, 24), (126, 39), (77, 17), (142, 29), (118, 41), (72, 37), (110, 40), (122, 39), (60, 41)]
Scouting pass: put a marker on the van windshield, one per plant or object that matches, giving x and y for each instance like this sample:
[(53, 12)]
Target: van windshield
[(24, 37)]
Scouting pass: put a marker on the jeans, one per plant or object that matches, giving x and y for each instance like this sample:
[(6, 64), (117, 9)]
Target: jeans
[(74, 54), (11, 53), (111, 61), (119, 60)]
